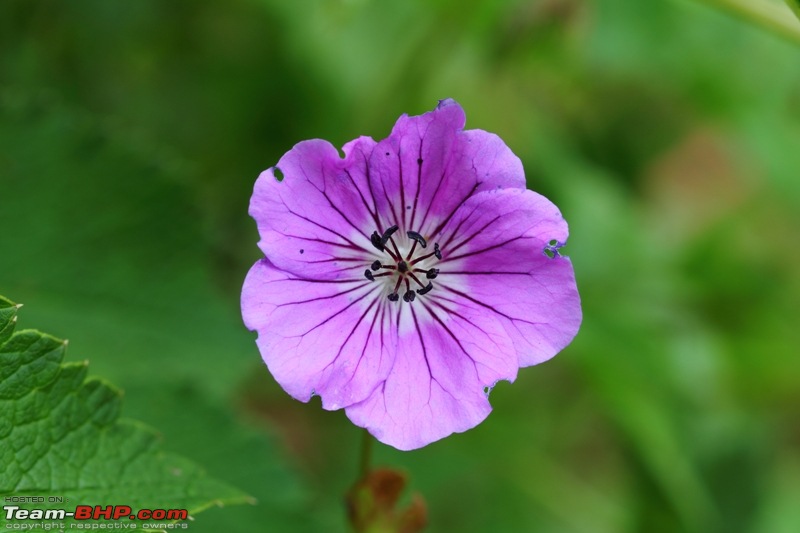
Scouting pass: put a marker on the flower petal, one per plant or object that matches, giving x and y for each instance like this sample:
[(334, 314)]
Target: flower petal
[(429, 166), (495, 258), (317, 219), (444, 363), (323, 337)]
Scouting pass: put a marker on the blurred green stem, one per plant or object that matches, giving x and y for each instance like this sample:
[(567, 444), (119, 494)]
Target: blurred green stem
[(794, 5), (366, 454), (768, 15)]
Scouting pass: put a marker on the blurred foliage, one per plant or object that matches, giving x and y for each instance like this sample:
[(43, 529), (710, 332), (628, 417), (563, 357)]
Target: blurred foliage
[(130, 137)]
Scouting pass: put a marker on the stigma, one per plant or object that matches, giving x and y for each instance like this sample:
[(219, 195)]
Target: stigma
[(402, 266)]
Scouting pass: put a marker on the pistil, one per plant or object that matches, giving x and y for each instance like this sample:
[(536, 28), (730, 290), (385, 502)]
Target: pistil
[(436, 252), (403, 267)]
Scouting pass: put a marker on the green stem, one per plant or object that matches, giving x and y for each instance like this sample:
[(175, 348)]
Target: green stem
[(770, 16), (366, 454), (794, 5)]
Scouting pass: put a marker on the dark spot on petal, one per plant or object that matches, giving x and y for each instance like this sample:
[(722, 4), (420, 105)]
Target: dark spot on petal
[(419, 161), (387, 154), (302, 251), (408, 207), (278, 173)]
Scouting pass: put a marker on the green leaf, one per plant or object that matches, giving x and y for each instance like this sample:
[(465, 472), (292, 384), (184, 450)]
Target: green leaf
[(60, 436)]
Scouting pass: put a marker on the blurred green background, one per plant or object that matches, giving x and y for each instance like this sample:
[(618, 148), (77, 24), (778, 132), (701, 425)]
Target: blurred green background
[(131, 134)]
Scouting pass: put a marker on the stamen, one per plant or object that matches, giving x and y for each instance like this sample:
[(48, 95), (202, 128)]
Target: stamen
[(393, 297), (426, 289), (388, 234), (402, 266), (411, 252), (379, 242), (396, 249), (370, 276), (409, 296), (397, 285), (416, 237), (432, 273), (415, 278), (376, 241), (436, 251), (376, 265)]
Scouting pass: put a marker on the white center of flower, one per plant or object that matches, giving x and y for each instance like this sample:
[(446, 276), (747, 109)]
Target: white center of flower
[(401, 267)]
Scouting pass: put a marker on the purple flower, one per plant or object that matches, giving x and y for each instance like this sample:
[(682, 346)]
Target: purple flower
[(402, 281)]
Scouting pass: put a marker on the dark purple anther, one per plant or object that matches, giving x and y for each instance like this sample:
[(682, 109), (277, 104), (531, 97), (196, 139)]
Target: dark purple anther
[(388, 234), (376, 241), (426, 289), (413, 235)]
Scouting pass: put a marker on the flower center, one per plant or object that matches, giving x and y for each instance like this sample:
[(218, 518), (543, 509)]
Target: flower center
[(403, 269)]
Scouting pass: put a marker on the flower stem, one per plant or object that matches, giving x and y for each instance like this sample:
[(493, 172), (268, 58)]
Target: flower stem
[(794, 5), (366, 454), (770, 16)]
